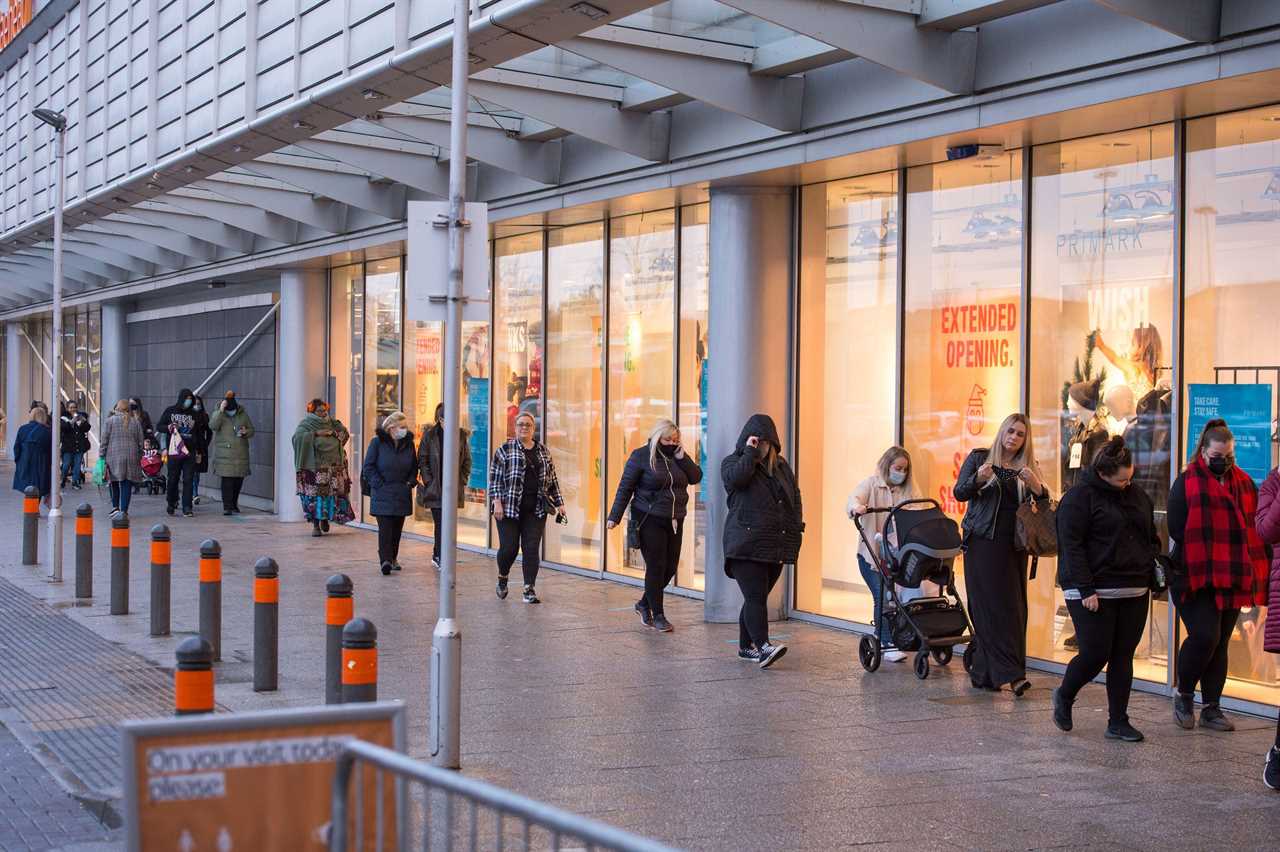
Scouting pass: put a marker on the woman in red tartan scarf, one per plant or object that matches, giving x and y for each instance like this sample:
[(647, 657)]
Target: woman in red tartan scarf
[(1222, 566)]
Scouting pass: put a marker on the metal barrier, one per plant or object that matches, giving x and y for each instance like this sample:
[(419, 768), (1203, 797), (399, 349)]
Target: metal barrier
[(493, 818)]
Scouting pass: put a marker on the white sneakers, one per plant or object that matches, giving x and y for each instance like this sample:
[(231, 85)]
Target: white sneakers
[(893, 655)]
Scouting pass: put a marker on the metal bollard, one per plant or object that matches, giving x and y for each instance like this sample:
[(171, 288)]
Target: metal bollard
[(161, 574), (266, 625), (339, 608), (193, 678), (359, 661), (84, 551), (119, 566), (211, 595), (30, 525)]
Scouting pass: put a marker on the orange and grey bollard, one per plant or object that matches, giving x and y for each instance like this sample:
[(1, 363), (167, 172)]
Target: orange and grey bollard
[(119, 566), (211, 595), (193, 678), (84, 551), (359, 661), (339, 608), (30, 525), (161, 577), (266, 625)]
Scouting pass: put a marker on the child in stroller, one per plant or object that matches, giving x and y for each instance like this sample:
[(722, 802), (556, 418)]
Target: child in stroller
[(152, 467)]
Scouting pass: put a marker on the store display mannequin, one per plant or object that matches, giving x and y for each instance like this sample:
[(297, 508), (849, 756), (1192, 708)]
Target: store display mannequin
[(1087, 429), (1121, 409)]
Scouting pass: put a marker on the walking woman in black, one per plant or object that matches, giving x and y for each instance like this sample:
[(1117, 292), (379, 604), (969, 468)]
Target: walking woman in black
[(391, 469), (994, 482), (523, 483), (655, 482), (762, 531), (1107, 547)]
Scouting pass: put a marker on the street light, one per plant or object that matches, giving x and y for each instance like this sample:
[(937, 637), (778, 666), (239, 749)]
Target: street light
[(58, 122)]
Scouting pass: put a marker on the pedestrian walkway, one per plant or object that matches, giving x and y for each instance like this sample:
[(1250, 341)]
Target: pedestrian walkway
[(575, 703)]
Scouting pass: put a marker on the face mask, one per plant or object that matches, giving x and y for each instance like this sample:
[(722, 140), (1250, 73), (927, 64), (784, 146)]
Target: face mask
[(199, 408), (897, 477), (133, 406), (399, 434), (231, 407), (1218, 465), (667, 449), (186, 403)]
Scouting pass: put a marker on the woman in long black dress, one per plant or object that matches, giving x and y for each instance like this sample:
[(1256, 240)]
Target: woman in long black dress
[(994, 482)]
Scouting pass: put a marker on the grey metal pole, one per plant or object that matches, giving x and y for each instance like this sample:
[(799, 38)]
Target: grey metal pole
[(119, 565), (55, 485), (84, 551), (339, 608), (266, 625), (446, 639), (161, 577), (210, 598)]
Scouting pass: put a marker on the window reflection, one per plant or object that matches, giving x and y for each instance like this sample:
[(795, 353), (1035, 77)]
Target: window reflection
[(695, 281)]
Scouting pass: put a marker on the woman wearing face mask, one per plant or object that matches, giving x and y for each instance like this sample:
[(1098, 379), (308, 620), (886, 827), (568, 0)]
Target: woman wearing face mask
[(176, 431), (320, 463), (391, 469), (655, 483), (887, 487), (1107, 547), (202, 440), (1221, 567), (431, 471), (232, 430), (994, 483), (522, 480)]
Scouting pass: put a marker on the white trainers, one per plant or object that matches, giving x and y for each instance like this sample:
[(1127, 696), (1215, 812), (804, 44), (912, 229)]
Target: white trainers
[(893, 655)]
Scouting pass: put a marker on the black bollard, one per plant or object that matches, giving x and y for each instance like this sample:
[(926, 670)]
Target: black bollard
[(339, 608), (211, 595), (266, 625), (193, 678), (84, 551), (359, 661), (119, 566), (30, 525), (161, 576)]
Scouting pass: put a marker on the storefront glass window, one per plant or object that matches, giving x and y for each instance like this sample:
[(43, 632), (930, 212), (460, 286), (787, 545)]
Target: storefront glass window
[(575, 402), (1233, 254), (382, 349), (1102, 313), (695, 279), (846, 372), (346, 357)]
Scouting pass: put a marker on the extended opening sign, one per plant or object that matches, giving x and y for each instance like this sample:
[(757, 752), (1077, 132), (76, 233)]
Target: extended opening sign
[(253, 780)]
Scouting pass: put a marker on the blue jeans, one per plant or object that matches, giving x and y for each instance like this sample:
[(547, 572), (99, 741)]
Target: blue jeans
[(875, 582), (121, 493), (72, 465)]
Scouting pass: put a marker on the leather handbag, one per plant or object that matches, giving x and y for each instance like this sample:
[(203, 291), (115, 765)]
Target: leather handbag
[(1037, 530)]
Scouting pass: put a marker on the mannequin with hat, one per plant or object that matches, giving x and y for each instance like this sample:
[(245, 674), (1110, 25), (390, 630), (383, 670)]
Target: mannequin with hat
[(1087, 429)]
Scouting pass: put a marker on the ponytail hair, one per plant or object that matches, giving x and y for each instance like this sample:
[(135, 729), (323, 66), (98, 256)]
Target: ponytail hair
[(1215, 431), (1112, 456)]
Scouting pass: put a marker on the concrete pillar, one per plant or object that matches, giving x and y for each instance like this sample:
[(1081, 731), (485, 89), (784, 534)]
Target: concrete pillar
[(749, 347), (15, 407), (301, 372), (115, 357)]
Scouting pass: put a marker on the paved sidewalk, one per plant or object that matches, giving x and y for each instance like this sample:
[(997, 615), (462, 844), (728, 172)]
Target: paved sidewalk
[(576, 703)]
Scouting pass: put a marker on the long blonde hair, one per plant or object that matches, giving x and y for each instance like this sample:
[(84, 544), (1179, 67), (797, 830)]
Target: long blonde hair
[(122, 408), (662, 429), (1026, 456)]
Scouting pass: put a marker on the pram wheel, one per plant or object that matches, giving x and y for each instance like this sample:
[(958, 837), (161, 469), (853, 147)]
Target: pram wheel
[(969, 651), (942, 656), (869, 653), (922, 664)]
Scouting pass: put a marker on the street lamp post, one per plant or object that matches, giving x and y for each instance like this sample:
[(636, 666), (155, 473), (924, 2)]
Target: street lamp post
[(58, 122)]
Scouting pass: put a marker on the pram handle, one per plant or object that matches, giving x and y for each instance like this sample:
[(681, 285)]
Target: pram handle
[(857, 522)]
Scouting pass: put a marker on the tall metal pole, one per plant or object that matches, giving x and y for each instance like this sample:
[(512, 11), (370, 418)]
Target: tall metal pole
[(55, 409), (446, 639)]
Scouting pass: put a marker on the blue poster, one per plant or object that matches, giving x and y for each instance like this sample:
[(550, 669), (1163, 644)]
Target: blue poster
[(478, 414), (1247, 410)]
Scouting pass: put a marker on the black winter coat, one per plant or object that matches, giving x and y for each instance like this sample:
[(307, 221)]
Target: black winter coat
[(74, 436), (662, 493), (765, 522), (1106, 537), (983, 503), (431, 467), (391, 468)]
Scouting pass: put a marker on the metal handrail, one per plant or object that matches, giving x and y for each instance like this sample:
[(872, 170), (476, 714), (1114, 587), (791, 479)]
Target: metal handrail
[(595, 834)]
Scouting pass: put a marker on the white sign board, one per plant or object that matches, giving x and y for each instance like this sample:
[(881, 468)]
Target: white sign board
[(427, 278)]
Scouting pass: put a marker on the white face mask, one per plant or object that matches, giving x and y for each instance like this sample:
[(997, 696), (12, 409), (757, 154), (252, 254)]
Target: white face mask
[(399, 433), (897, 477)]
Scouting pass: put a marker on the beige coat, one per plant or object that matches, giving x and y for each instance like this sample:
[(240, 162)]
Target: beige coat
[(874, 493)]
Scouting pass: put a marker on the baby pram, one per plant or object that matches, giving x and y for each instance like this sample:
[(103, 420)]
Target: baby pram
[(919, 543), (153, 468)]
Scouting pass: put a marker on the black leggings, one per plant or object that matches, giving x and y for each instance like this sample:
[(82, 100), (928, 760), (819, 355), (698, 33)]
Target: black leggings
[(231, 486), (523, 535), (1108, 638), (389, 529), (436, 515), (756, 580), (1203, 656), (660, 546)]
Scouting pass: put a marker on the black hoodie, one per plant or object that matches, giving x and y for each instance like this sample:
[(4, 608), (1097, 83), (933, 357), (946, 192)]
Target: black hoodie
[(1106, 537), (183, 418), (765, 522)]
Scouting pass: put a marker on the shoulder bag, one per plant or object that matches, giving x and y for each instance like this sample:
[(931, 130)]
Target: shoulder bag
[(1037, 530)]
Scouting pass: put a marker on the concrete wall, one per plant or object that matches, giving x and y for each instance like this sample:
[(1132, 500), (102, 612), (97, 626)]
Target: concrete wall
[(168, 354)]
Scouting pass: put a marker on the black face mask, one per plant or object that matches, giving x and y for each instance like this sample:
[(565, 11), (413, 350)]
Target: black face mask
[(1218, 465), (667, 449), (231, 407)]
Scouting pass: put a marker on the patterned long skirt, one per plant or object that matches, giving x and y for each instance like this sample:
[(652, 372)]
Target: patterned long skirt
[(325, 495)]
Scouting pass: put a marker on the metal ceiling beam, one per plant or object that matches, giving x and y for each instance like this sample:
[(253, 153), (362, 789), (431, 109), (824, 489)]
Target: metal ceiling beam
[(244, 217), (892, 39), (96, 267), (353, 190), (538, 161), (646, 135), (21, 272), (300, 206), (953, 15), (728, 85), (134, 265), (1193, 20), (128, 246), (201, 228), (168, 238), (395, 162), (795, 55), (44, 269)]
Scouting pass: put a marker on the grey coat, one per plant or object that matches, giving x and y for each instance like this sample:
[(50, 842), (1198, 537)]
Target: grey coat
[(229, 450), (121, 448)]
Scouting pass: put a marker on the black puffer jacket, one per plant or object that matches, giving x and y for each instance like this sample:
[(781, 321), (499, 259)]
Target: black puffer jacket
[(662, 492), (391, 468), (1106, 537), (765, 521)]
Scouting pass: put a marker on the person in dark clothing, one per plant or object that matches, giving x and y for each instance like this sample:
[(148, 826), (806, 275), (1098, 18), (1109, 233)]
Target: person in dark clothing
[(391, 469), (523, 484), (176, 430), (994, 483), (33, 454), (202, 438), (762, 531), (1107, 548), (1268, 521), (75, 443), (1221, 566), (143, 418), (431, 472), (655, 482)]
